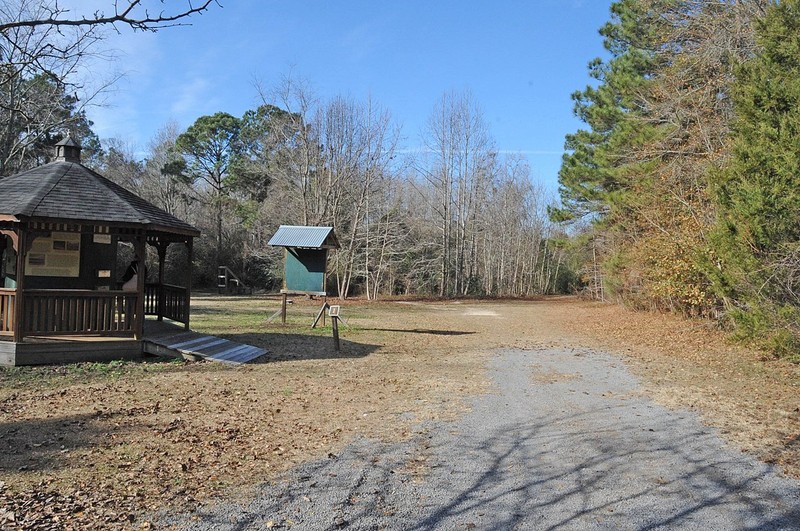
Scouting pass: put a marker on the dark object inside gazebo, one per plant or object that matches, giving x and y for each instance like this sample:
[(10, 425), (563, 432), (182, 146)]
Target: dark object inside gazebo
[(61, 293)]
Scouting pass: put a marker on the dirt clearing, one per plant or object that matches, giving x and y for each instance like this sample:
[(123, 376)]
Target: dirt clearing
[(106, 443)]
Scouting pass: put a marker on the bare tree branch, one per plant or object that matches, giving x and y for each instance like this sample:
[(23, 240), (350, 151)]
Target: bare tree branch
[(128, 13), (44, 51)]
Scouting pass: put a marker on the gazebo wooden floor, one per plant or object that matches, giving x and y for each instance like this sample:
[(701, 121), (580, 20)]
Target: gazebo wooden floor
[(68, 349)]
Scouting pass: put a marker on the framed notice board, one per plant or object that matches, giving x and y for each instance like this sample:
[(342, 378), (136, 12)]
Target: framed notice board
[(57, 255), (305, 257)]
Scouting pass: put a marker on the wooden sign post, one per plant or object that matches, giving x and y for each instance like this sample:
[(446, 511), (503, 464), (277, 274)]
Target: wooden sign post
[(334, 314)]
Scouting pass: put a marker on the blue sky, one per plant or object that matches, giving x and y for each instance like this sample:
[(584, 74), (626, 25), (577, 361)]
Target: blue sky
[(521, 60)]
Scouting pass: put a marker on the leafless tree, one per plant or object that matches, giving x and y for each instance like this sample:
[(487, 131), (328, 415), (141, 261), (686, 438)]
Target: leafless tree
[(119, 163), (166, 191), (43, 46), (358, 143), (333, 163), (459, 168), (336, 156), (517, 254), (133, 13)]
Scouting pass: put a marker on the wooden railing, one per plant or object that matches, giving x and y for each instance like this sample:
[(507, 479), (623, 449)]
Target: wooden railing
[(176, 302), (7, 297), (151, 299), (52, 312), (77, 312)]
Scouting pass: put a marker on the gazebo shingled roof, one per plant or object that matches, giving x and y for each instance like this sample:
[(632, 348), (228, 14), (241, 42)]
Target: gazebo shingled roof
[(65, 190)]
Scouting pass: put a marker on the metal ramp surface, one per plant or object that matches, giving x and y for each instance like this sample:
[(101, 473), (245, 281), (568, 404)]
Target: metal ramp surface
[(196, 345)]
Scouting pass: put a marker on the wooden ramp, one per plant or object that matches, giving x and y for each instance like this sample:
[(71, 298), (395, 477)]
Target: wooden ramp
[(195, 345)]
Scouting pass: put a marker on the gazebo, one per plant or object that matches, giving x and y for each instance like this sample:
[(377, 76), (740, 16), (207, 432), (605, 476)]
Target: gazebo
[(60, 292)]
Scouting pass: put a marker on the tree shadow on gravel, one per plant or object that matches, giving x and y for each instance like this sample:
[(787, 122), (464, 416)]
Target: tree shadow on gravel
[(551, 473), (652, 478)]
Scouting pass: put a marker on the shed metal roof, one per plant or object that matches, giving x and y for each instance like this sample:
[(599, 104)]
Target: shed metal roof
[(305, 237), (65, 190)]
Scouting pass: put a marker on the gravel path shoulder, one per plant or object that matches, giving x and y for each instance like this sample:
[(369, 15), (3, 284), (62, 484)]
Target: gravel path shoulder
[(566, 441)]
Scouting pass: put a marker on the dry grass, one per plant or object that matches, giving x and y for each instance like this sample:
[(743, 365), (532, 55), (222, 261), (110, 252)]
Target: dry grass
[(119, 439)]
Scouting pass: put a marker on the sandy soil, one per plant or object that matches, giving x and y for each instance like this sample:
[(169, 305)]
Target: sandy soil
[(101, 445)]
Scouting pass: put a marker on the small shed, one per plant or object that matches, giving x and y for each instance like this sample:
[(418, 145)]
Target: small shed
[(305, 257), (59, 228)]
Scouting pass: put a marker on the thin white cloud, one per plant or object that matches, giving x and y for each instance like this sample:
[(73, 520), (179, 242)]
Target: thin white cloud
[(191, 97), (535, 152), (532, 152)]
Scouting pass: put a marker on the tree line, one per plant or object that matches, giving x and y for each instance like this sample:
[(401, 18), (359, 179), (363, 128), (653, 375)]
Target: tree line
[(454, 218), (685, 182)]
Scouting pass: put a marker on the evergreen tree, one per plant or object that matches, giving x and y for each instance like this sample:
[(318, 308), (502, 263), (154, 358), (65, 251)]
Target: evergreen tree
[(593, 172), (208, 148), (601, 176), (35, 114), (658, 119), (758, 237), (266, 134)]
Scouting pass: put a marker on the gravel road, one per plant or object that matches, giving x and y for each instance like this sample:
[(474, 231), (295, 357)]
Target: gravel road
[(565, 441)]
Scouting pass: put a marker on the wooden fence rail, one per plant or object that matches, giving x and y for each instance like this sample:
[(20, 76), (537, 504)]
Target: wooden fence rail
[(76, 312)]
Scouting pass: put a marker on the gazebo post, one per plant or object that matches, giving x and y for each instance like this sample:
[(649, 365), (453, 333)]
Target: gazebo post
[(19, 298), (190, 257), (141, 254), (162, 256)]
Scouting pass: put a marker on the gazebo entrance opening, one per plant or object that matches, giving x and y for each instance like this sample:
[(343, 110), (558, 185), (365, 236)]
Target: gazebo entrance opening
[(73, 283)]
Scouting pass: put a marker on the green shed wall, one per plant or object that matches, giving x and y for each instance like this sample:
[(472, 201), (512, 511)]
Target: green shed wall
[(305, 269)]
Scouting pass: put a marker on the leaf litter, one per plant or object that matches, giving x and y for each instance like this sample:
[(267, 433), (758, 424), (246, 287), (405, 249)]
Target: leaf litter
[(105, 448)]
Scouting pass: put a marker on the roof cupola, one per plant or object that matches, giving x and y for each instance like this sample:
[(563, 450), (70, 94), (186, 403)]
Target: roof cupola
[(68, 150)]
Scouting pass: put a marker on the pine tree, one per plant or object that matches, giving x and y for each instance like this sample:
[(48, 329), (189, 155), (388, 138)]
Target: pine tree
[(593, 172), (758, 237), (603, 175)]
